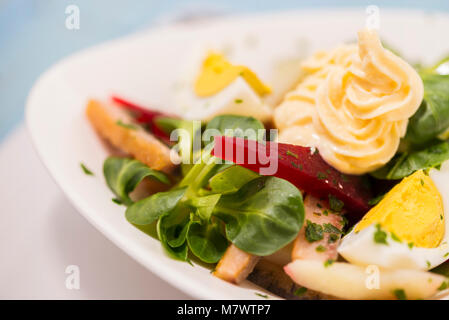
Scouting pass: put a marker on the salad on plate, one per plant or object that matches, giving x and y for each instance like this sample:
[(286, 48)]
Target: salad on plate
[(330, 185)]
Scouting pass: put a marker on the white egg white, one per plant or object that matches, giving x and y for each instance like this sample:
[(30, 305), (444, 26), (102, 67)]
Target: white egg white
[(361, 249), (237, 98)]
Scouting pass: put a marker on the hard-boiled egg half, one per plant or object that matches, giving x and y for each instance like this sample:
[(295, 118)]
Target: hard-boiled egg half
[(408, 228), (220, 87)]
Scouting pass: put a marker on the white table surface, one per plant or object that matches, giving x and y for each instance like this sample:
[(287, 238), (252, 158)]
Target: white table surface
[(41, 234)]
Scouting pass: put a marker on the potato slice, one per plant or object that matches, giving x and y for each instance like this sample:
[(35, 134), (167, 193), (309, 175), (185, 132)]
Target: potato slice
[(349, 281)]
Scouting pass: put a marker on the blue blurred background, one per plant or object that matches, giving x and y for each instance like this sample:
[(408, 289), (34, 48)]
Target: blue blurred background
[(33, 34)]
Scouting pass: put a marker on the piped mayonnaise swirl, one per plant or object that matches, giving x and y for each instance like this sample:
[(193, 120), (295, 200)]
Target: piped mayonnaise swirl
[(353, 105)]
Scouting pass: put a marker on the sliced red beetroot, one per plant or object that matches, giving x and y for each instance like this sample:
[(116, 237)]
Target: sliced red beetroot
[(301, 166), (145, 116)]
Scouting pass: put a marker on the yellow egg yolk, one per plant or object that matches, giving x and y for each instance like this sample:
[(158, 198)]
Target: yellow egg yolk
[(217, 73), (412, 211)]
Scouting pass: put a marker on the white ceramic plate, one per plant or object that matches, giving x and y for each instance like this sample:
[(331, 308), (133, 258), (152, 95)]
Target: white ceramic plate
[(144, 67)]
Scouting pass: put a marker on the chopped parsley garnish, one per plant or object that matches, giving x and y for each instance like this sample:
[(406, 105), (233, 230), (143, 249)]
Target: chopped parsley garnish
[(326, 213), (376, 200), (320, 248), (422, 182), (441, 217), (300, 166), (319, 205), (410, 245), (314, 232), (86, 170), (300, 291), (400, 294), (380, 236), (428, 264), (289, 153), (344, 178), (335, 204), (332, 238), (395, 237), (126, 125), (321, 176), (328, 263), (117, 201), (330, 228), (261, 295), (446, 255), (238, 100), (444, 285), (295, 165)]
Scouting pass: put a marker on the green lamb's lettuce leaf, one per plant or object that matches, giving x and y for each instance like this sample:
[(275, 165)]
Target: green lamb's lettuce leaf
[(403, 165), (263, 216), (233, 125), (164, 227), (153, 207), (432, 117), (206, 241), (123, 175), (231, 179)]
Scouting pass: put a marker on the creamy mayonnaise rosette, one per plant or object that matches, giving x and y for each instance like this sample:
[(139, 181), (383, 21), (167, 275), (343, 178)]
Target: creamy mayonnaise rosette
[(353, 105)]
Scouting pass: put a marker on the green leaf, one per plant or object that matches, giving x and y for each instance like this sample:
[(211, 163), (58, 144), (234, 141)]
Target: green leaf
[(432, 117), (175, 226), (123, 175), (241, 126), (403, 165), (335, 204), (155, 206), (204, 205), (231, 179), (400, 294), (177, 253), (263, 216), (206, 241)]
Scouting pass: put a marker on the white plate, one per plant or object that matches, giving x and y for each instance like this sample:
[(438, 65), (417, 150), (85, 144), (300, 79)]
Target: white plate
[(144, 67)]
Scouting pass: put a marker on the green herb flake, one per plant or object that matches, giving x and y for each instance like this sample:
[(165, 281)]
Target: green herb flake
[(335, 204), (289, 153), (238, 101), (326, 213), (444, 285), (117, 201), (332, 238), (321, 176), (330, 228), (400, 294), (261, 295), (441, 217), (380, 236), (314, 232), (428, 264), (395, 237), (320, 248), (446, 255), (300, 167), (422, 182), (410, 245), (294, 165), (126, 125), (328, 263), (319, 205), (300, 291), (86, 170), (344, 178)]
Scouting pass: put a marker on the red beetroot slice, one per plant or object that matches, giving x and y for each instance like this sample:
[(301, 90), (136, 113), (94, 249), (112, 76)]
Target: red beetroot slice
[(145, 116), (299, 165)]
